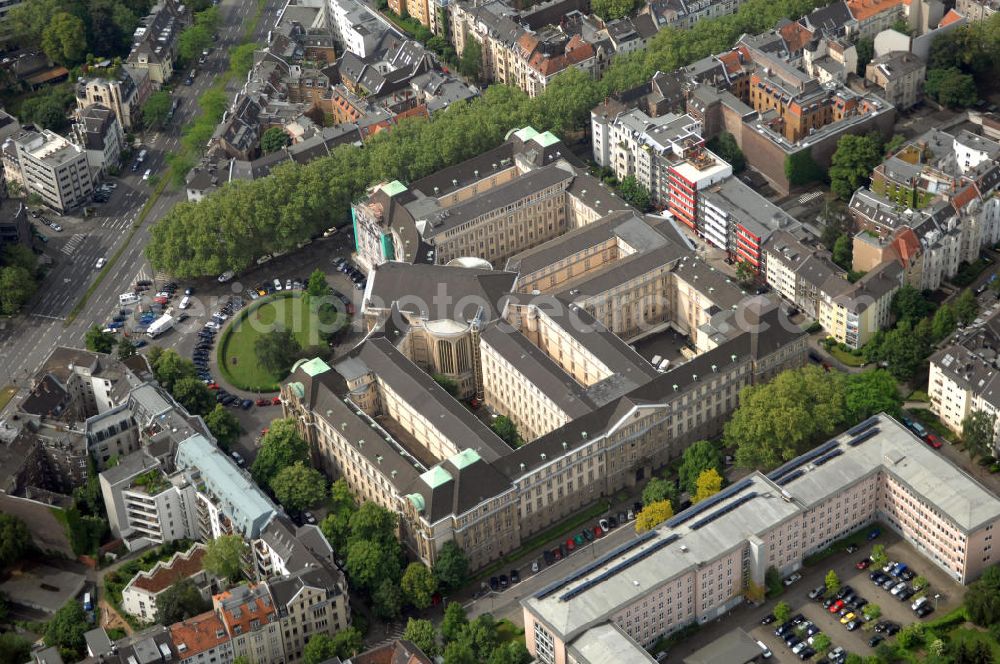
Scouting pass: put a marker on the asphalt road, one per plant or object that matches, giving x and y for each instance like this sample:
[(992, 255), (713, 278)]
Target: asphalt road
[(26, 341)]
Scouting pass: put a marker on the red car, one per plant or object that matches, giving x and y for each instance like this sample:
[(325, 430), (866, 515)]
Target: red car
[(837, 606), (263, 402), (570, 544), (213, 386), (598, 532), (276, 401), (933, 441), (160, 300), (863, 563), (556, 553)]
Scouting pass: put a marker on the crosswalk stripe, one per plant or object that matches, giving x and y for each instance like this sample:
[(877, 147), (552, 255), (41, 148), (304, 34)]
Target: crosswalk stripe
[(72, 244)]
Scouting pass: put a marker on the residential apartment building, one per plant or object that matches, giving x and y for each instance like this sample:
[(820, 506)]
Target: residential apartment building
[(963, 376), (699, 564), (666, 155), (97, 131), (310, 601), (251, 623), (141, 593), (54, 168), (202, 640), (900, 75), (874, 16), (806, 276), (154, 43), (977, 10), (124, 95), (683, 15), (526, 191)]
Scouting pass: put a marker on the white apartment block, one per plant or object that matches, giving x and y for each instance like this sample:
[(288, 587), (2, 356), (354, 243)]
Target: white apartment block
[(55, 169), (699, 564), (140, 595)]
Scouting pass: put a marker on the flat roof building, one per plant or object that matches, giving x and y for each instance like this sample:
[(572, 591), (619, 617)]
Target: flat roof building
[(698, 565), (54, 168)]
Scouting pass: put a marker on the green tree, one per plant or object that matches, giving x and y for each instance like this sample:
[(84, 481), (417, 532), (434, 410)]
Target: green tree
[(944, 322), (15, 539), (14, 649), (67, 627), (298, 487), (459, 652), (192, 41), (450, 385), (224, 556), (280, 448), (223, 425), (241, 59), (422, 634), (832, 582), (317, 286), (870, 392), (85, 532), (471, 63), (17, 285), (374, 522), (852, 163), (336, 526), (821, 643), (634, 193), (180, 601), (274, 139), (277, 350), (697, 458), (658, 489), (481, 634), (843, 252), (872, 611), (977, 433), (951, 88), (904, 348), (64, 39), (156, 109), (745, 273), (879, 557), (369, 562), (910, 304), (504, 427), (801, 168), (454, 622), (512, 652), (126, 349), (709, 483), (782, 612), (194, 395), (387, 600), (419, 585), (652, 515), (966, 307), (727, 148), (777, 420), (319, 648), (348, 642), (99, 341), (451, 568), (982, 598), (610, 10), (920, 582), (170, 368), (865, 47), (911, 635)]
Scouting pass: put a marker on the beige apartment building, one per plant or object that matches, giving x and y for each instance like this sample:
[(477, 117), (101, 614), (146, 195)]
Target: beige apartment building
[(700, 563), (901, 75), (251, 622), (309, 602)]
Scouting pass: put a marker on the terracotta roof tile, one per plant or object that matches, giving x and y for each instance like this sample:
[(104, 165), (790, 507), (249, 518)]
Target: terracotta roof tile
[(865, 9), (198, 634), (950, 18), (964, 197)]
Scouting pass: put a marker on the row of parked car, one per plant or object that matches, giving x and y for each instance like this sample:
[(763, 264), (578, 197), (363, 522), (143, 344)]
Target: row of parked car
[(896, 577), (588, 535), (798, 634), (203, 349), (354, 274)]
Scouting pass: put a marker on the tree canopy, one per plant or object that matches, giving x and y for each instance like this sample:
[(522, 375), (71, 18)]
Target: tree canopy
[(950, 87), (708, 484), (223, 425), (658, 489), (504, 427), (982, 598), (280, 448), (169, 368), (653, 515), (156, 109), (418, 585), (298, 487), (977, 433), (67, 627), (698, 457), (452, 566), (15, 539), (180, 601), (99, 341), (223, 556), (852, 163), (277, 350), (194, 395), (610, 10), (273, 139), (728, 149), (422, 634)]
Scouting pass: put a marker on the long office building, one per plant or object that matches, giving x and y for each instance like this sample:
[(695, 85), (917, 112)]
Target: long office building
[(699, 564), (54, 168)]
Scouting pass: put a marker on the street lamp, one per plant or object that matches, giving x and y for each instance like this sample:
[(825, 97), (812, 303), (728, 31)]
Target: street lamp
[(936, 597)]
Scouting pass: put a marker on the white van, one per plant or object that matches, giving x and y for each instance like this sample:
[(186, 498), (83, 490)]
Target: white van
[(656, 360), (126, 299), (185, 302), (663, 365), (764, 649)]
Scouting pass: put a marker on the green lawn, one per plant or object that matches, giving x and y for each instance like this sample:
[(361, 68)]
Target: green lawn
[(236, 356), (846, 358)]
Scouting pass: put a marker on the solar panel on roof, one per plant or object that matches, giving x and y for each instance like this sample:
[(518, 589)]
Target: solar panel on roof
[(826, 457), (791, 477), (864, 426), (708, 503), (620, 567), (857, 440), (802, 460), (587, 569), (700, 523)]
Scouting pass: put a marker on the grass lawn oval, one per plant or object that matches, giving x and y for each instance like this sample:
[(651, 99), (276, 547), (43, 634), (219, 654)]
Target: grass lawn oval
[(237, 358)]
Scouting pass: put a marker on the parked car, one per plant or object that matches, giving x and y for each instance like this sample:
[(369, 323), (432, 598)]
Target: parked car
[(768, 619), (792, 579), (874, 533), (933, 441), (515, 576), (837, 606), (925, 610), (863, 564)]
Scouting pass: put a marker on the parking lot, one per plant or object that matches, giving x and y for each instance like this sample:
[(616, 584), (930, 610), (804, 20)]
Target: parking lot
[(949, 594)]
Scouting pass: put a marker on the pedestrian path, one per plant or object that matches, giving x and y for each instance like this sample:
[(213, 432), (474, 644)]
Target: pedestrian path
[(73, 243)]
